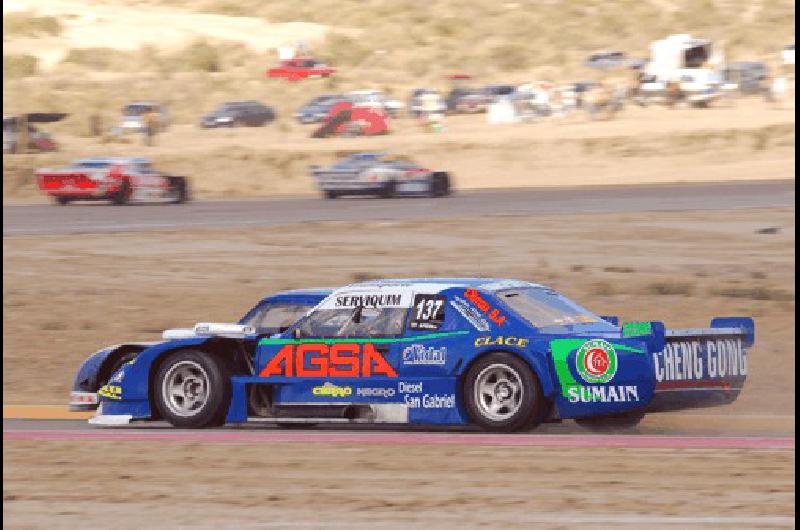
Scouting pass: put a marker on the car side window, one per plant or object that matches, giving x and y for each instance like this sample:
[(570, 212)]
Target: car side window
[(358, 322)]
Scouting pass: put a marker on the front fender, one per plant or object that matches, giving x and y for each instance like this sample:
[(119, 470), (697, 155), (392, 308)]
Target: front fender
[(129, 393)]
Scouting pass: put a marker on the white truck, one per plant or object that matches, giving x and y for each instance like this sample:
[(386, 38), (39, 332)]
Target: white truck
[(682, 67)]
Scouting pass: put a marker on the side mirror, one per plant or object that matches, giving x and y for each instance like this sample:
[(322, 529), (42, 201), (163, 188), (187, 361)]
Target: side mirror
[(296, 333)]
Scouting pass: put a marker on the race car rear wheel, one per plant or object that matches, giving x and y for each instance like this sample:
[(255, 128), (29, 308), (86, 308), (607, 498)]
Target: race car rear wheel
[(440, 185), (192, 389), (63, 200), (123, 194), (388, 190), (501, 393)]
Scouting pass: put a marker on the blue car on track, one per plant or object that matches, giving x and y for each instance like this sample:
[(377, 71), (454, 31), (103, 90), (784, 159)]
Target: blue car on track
[(503, 355)]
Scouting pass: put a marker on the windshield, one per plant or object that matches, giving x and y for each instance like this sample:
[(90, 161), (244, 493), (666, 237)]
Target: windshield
[(545, 308), (274, 318)]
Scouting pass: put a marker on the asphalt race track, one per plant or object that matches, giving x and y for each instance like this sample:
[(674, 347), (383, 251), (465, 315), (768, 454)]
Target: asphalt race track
[(43, 219)]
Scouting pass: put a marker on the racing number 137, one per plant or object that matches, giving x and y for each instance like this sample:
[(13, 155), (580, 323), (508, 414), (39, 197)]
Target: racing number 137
[(428, 311), (428, 308)]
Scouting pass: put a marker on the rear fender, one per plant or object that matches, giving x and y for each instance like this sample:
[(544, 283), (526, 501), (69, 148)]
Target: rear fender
[(600, 376)]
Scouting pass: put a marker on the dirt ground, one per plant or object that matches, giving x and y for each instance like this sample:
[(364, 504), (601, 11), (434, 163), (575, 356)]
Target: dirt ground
[(746, 139), (67, 296), (97, 484)]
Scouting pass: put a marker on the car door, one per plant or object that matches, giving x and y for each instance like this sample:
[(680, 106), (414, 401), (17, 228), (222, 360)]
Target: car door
[(349, 335)]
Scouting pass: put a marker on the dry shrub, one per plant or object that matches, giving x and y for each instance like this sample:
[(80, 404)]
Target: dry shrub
[(509, 57), (670, 288), (19, 65), (28, 24), (199, 55), (603, 289), (755, 293), (99, 58), (621, 270), (347, 51)]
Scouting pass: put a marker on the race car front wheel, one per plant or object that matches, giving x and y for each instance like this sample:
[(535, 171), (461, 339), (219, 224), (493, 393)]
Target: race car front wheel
[(192, 389), (501, 393)]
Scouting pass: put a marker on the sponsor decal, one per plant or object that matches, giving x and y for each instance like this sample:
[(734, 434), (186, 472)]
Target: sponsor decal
[(594, 367), (424, 355), (596, 361), (693, 360), (369, 300), (431, 401), (110, 391), (372, 299), (492, 312), (501, 341), (117, 377), (409, 388), (330, 390), (382, 392), (470, 314), (636, 329), (323, 360), (602, 394), (428, 311)]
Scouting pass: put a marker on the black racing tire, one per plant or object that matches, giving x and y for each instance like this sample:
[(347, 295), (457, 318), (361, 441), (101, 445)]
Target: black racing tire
[(526, 406), (388, 190), (182, 195), (612, 422), (192, 389), (330, 194), (123, 194), (440, 185), (63, 201)]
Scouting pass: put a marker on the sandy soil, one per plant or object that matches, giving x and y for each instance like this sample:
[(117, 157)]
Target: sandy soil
[(314, 486), (747, 140), (67, 296), (108, 25)]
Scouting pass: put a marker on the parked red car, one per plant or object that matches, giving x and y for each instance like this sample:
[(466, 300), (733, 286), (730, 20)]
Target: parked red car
[(119, 180), (301, 68)]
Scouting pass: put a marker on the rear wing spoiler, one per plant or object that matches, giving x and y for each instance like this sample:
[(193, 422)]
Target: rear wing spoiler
[(700, 367)]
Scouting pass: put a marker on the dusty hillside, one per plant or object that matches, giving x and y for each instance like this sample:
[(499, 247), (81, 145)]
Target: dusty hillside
[(83, 57)]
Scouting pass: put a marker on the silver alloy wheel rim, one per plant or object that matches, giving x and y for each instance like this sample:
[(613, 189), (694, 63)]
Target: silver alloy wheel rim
[(498, 392), (185, 388)]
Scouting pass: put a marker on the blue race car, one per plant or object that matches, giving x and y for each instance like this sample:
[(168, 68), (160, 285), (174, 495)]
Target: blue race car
[(272, 314), (503, 355)]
